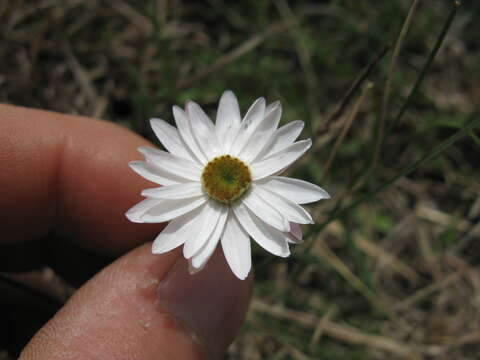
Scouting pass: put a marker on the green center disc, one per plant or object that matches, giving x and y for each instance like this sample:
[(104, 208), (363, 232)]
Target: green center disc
[(226, 178)]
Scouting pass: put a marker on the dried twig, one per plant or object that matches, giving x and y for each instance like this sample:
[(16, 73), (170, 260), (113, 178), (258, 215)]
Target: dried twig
[(239, 51), (345, 333), (346, 127)]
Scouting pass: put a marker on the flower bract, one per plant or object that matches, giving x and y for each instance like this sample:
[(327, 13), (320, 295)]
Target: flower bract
[(220, 183)]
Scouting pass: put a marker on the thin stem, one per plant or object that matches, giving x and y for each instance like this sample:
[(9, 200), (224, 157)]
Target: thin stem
[(347, 98), (455, 6), (388, 84), (346, 127), (475, 138), (372, 163), (393, 61)]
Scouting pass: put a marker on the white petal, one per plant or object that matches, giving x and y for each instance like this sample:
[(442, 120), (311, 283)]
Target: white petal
[(266, 236), (228, 120), (135, 213), (185, 131), (284, 137), (236, 247), (208, 220), (280, 160), (265, 211), (176, 232), (178, 191), (293, 240), (298, 191), (281, 138), (261, 136), (191, 269), (290, 210), (203, 130), (168, 209), (200, 258), (273, 107), (296, 233), (248, 125), (149, 171), (296, 230), (170, 138), (172, 163)]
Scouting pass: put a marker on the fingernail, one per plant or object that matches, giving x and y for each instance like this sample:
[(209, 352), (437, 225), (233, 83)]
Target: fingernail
[(211, 302)]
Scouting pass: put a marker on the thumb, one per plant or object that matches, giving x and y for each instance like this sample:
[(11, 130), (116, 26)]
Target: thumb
[(146, 306)]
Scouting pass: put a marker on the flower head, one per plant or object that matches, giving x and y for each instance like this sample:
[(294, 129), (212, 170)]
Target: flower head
[(220, 183)]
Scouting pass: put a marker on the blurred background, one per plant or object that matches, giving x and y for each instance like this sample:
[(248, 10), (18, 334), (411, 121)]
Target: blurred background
[(391, 268)]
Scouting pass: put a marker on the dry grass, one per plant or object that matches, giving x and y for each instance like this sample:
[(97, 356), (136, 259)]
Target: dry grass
[(396, 277)]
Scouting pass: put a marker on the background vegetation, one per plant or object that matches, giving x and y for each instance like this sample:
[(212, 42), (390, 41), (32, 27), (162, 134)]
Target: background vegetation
[(391, 268)]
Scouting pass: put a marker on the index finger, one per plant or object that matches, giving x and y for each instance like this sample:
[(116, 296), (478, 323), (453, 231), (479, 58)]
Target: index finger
[(69, 174)]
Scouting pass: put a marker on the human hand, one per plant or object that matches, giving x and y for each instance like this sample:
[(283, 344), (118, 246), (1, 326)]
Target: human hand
[(70, 175)]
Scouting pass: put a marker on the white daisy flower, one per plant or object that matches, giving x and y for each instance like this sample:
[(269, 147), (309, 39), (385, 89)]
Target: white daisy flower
[(220, 183)]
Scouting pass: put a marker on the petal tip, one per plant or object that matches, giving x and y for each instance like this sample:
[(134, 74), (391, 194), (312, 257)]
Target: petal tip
[(130, 215), (189, 104), (285, 254), (177, 111), (192, 269), (322, 194), (135, 163), (155, 250), (276, 104), (143, 149), (158, 249)]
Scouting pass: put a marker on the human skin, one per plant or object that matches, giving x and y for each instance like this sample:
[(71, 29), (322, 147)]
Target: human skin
[(69, 175)]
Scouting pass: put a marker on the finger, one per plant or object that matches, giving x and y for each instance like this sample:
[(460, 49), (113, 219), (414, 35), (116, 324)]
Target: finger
[(146, 306), (69, 174)]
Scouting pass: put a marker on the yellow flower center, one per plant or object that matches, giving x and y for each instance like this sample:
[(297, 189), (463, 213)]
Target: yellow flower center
[(225, 178)]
